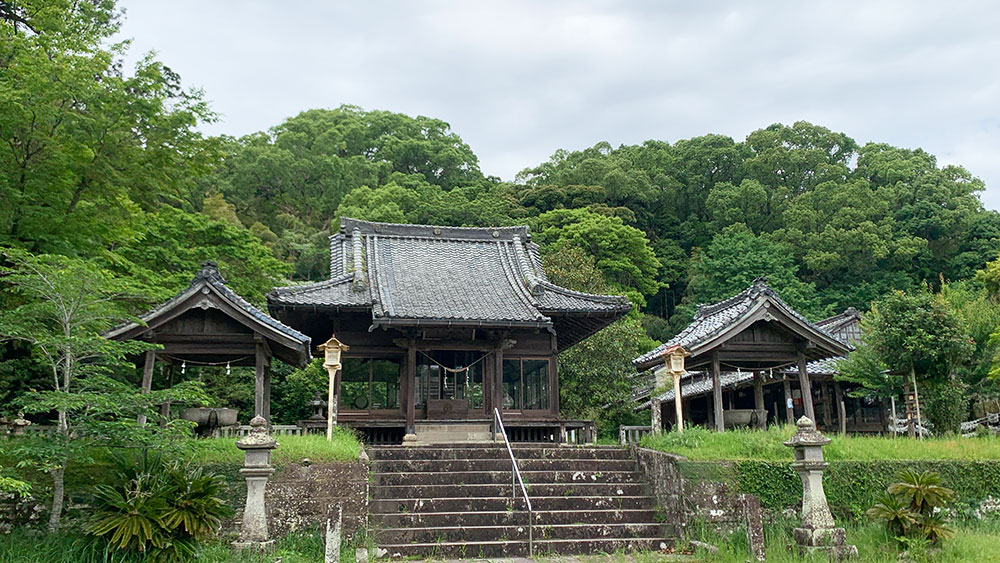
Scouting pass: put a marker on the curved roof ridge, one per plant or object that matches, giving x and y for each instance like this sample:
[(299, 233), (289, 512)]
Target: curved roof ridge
[(606, 298), (311, 286)]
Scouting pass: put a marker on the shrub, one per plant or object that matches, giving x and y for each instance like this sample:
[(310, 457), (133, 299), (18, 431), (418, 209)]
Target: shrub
[(157, 508), (913, 508)]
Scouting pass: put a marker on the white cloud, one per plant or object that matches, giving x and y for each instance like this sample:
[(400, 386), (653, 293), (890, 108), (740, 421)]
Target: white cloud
[(518, 80)]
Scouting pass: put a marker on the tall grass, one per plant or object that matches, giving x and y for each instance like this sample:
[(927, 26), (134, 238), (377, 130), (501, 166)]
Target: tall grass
[(766, 445), (975, 542), (344, 447)]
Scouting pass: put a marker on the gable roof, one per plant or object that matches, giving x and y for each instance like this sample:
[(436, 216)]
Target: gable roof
[(846, 326), (208, 290), (714, 324), (426, 275)]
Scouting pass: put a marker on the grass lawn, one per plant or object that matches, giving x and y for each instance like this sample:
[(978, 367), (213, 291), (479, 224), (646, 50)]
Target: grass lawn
[(766, 445), (975, 542), (344, 447)]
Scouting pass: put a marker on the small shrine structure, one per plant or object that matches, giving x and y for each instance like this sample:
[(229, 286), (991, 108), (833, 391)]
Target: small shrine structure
[(748, 362), (209, 324)]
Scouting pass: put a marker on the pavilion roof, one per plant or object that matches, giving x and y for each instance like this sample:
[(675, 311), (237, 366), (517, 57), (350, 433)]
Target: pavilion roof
[(713, 324), (208, 290), (426, 275)]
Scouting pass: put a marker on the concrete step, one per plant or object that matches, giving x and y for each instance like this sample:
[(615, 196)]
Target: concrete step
[(464, 550), (462, 465), (453, 490), (501, 477), (518, 532), (497, 504), (512, 517), (428, 452)]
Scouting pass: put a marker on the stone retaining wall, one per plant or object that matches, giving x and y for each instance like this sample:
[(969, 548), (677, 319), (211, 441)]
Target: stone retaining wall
[(684, 501), (300, 496)]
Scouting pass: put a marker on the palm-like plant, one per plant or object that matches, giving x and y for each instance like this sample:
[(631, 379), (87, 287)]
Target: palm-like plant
[(923, 490), (935, 528), (160, 509), (895, 512), (911, 508)]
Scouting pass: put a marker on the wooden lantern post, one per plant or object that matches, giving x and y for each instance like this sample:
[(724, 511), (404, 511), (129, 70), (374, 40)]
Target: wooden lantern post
[(332, 350), (675, 364)]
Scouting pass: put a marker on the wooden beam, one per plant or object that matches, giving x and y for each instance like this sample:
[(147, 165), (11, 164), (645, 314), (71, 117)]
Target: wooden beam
[(258, 391), (267, 393), (411, 388), (717, 393), (838, 394), (758, 399), (789, 402), (147, 380), (824, 397), (807, 398), (165, 406)]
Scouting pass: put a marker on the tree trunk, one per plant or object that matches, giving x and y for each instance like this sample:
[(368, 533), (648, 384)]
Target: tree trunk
[(58, 494)]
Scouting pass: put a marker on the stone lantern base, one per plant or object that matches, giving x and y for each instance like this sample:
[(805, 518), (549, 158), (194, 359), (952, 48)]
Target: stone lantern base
[(832, 541), (254, 545)]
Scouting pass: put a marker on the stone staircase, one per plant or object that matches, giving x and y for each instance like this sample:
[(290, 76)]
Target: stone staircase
[(454, 501)]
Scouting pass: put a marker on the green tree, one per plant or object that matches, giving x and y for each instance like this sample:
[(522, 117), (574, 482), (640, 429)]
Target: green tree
[(918, 337), (621, 252), (64, 304), (86, 145), (731, 262)]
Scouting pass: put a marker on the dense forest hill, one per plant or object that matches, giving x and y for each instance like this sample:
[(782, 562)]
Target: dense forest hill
[(831, 223), (106, 164)]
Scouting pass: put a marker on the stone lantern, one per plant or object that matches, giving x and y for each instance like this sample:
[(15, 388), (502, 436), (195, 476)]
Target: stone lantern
[(318, 407), (256, 446), (818, 532), (20, 424)]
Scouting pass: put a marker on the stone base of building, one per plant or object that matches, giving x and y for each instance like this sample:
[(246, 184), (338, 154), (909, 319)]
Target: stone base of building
[(832, 541)]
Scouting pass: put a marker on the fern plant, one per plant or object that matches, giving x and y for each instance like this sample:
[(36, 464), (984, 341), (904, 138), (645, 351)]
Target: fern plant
[(159, 509)]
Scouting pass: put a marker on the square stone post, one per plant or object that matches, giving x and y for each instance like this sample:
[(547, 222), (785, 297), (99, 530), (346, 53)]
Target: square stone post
[(818, 531), (256, 446)]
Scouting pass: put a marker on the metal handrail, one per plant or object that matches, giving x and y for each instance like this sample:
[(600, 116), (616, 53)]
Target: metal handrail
[(515, 479)]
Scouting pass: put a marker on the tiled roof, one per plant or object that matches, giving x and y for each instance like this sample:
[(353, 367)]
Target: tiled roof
[(435, 275), (713, 320), (209, 276), (846, 326), (694, 384)]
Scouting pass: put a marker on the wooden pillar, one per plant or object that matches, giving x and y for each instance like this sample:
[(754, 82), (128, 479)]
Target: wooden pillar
[(554, 380), (758, 399), (824, 397), (838, 395), (411, 390), (267, 391), (258, 389), (717, 393), (165, 406), (807, 397), (789, 402), (147, 380)]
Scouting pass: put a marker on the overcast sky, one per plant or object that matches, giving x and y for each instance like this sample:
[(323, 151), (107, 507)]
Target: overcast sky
[(518, 80)]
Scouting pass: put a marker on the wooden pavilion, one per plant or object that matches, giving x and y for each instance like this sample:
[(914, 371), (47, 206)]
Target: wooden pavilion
[(751, 340), (209, 324), (444, 324)]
